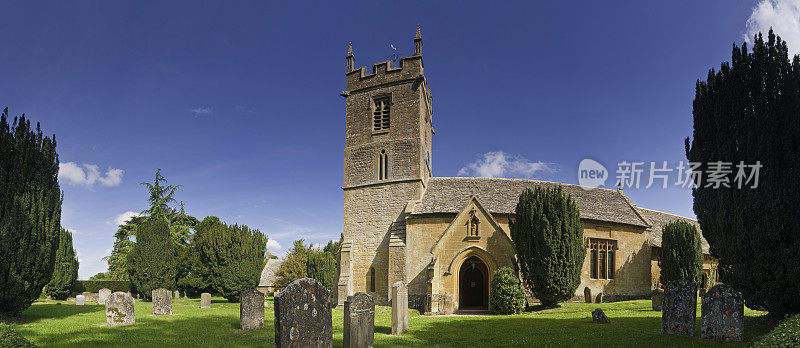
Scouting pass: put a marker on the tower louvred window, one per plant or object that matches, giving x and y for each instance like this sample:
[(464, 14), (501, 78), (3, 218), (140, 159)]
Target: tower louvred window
[(380, 113)]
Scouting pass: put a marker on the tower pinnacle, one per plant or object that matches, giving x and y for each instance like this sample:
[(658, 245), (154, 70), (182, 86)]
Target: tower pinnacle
[(351, 59), (418, 42)]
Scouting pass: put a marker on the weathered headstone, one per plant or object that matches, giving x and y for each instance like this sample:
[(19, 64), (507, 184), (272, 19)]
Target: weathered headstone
[(303, 315), (722, 314), (680, 308), (599, 298), (251, 310), (177, 294), (103, 295), (359, 321), (119, 309), (162, 302), (399, 308), (657, 296), (80, 300), (205, 300), (598, 316), (87, 296), (587, 295)]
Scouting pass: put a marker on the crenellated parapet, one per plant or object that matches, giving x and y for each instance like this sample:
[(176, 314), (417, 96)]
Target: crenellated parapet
[(410, 69)]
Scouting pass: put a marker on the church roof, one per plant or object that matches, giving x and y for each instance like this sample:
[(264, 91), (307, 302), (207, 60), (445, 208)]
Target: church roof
[(660, 219), (499, 196), (269, 273)]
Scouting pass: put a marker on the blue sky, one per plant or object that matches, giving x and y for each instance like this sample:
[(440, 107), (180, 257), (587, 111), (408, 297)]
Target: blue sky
[(239, 101)]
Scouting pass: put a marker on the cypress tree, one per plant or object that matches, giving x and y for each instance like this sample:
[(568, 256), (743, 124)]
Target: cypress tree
[(295, 266), (234, 256), (748, 112), (681, 255), (152, 259), (322, 267), (30, 212), (65, 271), (548, 236)]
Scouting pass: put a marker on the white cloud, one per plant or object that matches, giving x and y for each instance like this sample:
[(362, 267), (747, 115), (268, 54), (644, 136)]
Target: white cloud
[(201, 110), (122, 218), (783, 16), (273, 246), (501, 164), (88, 174)]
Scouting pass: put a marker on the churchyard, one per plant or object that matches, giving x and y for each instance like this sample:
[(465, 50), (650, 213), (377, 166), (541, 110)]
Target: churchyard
[(633, 323)]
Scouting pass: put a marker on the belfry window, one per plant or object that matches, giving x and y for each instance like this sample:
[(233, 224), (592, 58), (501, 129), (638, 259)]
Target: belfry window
[(372, 279), (601, 258), (380, 113), (383, 165)]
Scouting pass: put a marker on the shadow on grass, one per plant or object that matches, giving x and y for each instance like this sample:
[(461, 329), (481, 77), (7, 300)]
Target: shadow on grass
[(36, 313), (386, 330)]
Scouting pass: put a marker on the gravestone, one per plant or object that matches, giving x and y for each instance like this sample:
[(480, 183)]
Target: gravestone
[(177, 294), (80, 300), (722, 314), (119, 309), (598, 316), (399, 308), (587, 295), (251, 310), (657, 296), (679, 309), (359, 321), (103, 295), (303, 315), (599, 298), (205, 300), (162, 302)]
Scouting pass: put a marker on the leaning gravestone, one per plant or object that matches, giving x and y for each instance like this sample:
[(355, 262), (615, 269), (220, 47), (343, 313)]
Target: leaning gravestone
[(162, 302), (399, 308), (598, 298), (119, 309), (251, 310), (587, 295), (359, 321), (205, 300), (598, 316), (80, 300), (680, 308), (657, 297), (722, 314), (103, 295), (303, 315)]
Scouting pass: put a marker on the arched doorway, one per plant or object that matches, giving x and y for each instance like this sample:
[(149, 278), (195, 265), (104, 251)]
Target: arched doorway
[(473, 279)]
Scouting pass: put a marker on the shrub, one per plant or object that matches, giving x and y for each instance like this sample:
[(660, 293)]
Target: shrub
[(681, 256), (65, 272), (786, 334), (322, 267), (153, 257), (506, 295), (95, 285), (746, 112), (30, 212), (11, 338), (234, 256), (548, 235)]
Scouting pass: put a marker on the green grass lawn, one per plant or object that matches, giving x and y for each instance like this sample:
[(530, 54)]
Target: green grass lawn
[(632, 324)]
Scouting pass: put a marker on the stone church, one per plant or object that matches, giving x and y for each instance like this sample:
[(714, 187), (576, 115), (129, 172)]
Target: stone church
[(444, 237)]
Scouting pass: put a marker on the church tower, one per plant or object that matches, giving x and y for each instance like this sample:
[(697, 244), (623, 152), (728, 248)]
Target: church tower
[(387, 164)]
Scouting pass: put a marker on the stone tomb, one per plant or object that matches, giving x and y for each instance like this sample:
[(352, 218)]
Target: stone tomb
[(251, 310), (80, 300), (119, 309), (680, 308), (359, 321), (657, 297), (103, 295), (303, 315), (722, 313), (205, 300), (399, 308), (162, 302)]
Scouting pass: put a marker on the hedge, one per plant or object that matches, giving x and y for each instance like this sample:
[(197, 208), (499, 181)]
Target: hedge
[(786, 334), (506, 295), (96, 285), (11, 338)]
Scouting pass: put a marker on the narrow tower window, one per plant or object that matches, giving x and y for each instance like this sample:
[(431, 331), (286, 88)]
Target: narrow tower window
[(372, 279), (383, 165), (380, 113)]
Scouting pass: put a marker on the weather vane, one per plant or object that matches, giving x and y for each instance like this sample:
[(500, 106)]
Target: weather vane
[(393, 57)]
